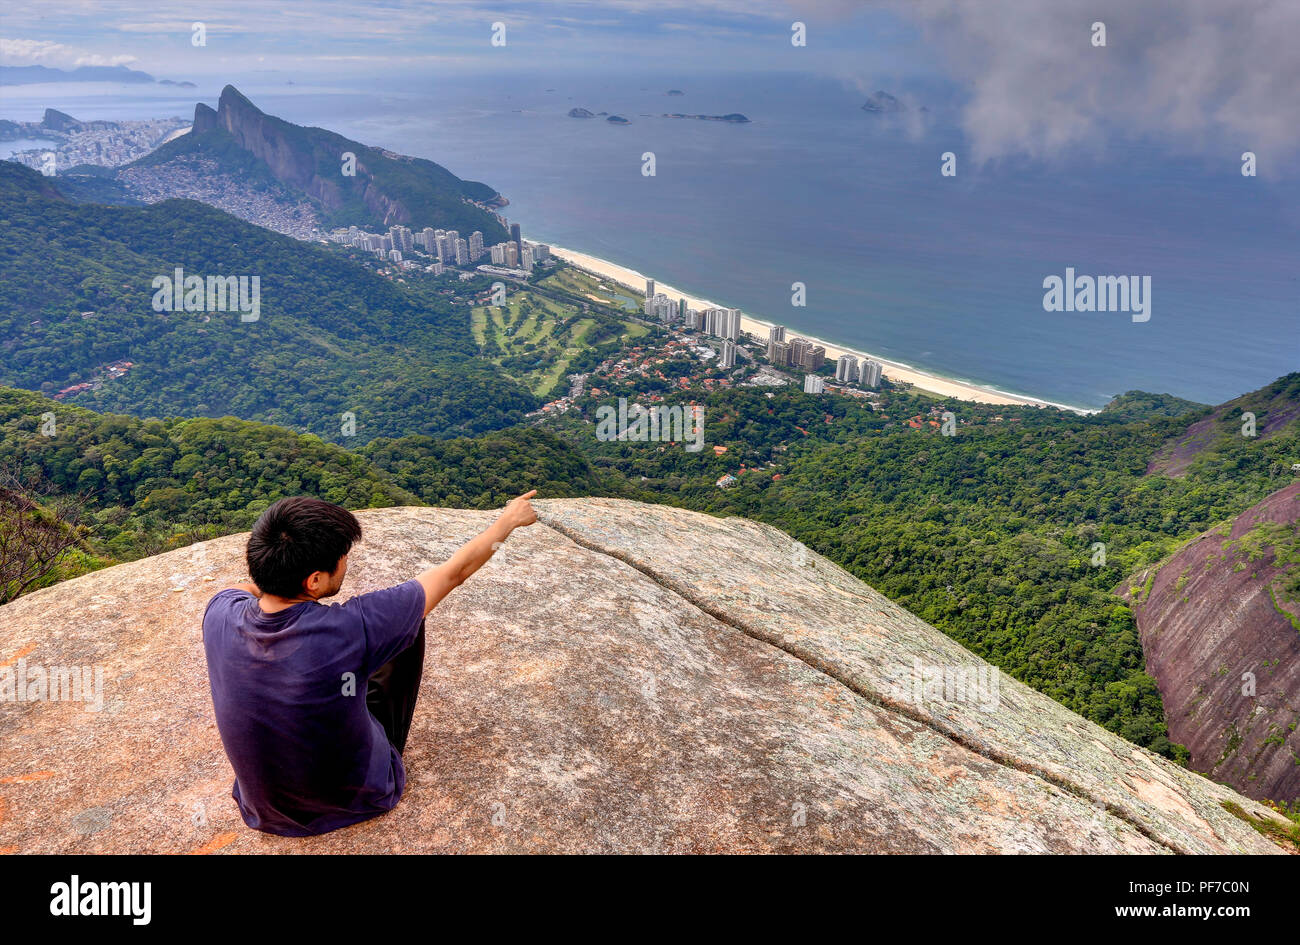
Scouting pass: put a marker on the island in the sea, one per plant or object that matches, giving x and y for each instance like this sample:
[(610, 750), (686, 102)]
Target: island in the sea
[(581, 113), (735, 117), (882, 103), (674, 92), (618, 120)]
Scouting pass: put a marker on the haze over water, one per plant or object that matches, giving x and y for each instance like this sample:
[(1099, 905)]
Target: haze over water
[(942, 273)]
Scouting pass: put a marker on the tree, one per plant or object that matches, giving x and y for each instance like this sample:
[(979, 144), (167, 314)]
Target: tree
[(37, 528)]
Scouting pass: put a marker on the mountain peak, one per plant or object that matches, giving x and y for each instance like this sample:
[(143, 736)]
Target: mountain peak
[(56, 120), (625, 678), (205, 119), (232, 98), (387, 188)]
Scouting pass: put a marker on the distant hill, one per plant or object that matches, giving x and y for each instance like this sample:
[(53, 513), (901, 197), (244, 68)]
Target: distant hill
[(249, 145), (1274, 408), (1140, 405), (333, 337), (53, 124), (31, 75)]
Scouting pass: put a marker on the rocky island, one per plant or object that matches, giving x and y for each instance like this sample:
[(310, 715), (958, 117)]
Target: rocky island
[(734, 117), (882, 103)]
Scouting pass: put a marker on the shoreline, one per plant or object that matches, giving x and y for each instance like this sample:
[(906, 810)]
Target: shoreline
[(757, 327)]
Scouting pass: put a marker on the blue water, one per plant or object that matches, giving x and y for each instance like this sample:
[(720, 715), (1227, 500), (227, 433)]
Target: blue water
[(941, 273), (11, 147)]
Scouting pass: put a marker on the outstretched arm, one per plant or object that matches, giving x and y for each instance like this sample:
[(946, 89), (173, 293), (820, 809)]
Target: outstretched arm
[(442, 579)]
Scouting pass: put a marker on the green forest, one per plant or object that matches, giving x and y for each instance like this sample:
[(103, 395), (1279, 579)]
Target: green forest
[(991, 535), (333, 337)]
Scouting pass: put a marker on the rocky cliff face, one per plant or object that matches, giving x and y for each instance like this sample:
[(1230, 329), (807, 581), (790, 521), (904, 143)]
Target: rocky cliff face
[(620, 677), (264, 137), (1226, 658)]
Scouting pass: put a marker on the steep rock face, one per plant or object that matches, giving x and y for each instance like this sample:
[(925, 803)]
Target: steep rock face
[(205, 119), (1209, 619), (386, 187), (59, 121), (620, 677), (257, 133)]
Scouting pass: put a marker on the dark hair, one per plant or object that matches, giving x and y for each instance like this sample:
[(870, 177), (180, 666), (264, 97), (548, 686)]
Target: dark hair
[(296, 537)]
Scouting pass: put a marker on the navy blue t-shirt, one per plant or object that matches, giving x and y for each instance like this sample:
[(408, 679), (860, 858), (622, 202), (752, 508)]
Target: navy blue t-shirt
[(308, 755)]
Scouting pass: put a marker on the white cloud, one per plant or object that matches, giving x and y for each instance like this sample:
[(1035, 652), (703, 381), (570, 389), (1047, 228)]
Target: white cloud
[(94, 59), (42, 52), (35, 51), (1198, 74)]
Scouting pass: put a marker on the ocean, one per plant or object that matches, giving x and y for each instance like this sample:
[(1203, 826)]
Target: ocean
[(941, 273)]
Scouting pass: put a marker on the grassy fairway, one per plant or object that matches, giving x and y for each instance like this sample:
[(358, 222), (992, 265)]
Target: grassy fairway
[(534, 339), (586, 286)]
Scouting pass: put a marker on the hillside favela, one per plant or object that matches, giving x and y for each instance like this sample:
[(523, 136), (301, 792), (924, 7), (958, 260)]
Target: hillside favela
[(857, 428)]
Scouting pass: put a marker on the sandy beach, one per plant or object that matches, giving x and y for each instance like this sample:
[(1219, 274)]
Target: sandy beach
[(943, 386)]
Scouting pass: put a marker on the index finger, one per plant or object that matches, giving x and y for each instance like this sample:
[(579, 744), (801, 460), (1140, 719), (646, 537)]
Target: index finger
[(529, 495)]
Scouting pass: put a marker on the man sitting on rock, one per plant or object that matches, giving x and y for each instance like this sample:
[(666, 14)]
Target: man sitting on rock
[(314, 701)]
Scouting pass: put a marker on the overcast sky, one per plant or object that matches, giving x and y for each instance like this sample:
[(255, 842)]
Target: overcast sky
[(1193, 74)]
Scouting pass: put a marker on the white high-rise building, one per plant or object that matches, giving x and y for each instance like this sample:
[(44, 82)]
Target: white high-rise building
[(447, 245), (475, 245), (527, 261), (692, 319), (728, 355), (813, 384), (731, 324), (661, 307), (776, 333), (499, 254), (846, 369), (871, 371), (722, 322), (401, 237), (778, 352), (462, 252), (649, 288)]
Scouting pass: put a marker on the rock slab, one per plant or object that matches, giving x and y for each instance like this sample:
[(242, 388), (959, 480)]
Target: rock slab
[(620, 678)]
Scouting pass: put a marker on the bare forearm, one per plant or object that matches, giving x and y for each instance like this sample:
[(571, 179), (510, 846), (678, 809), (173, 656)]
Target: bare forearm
[(475, 553), (441, 580)]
